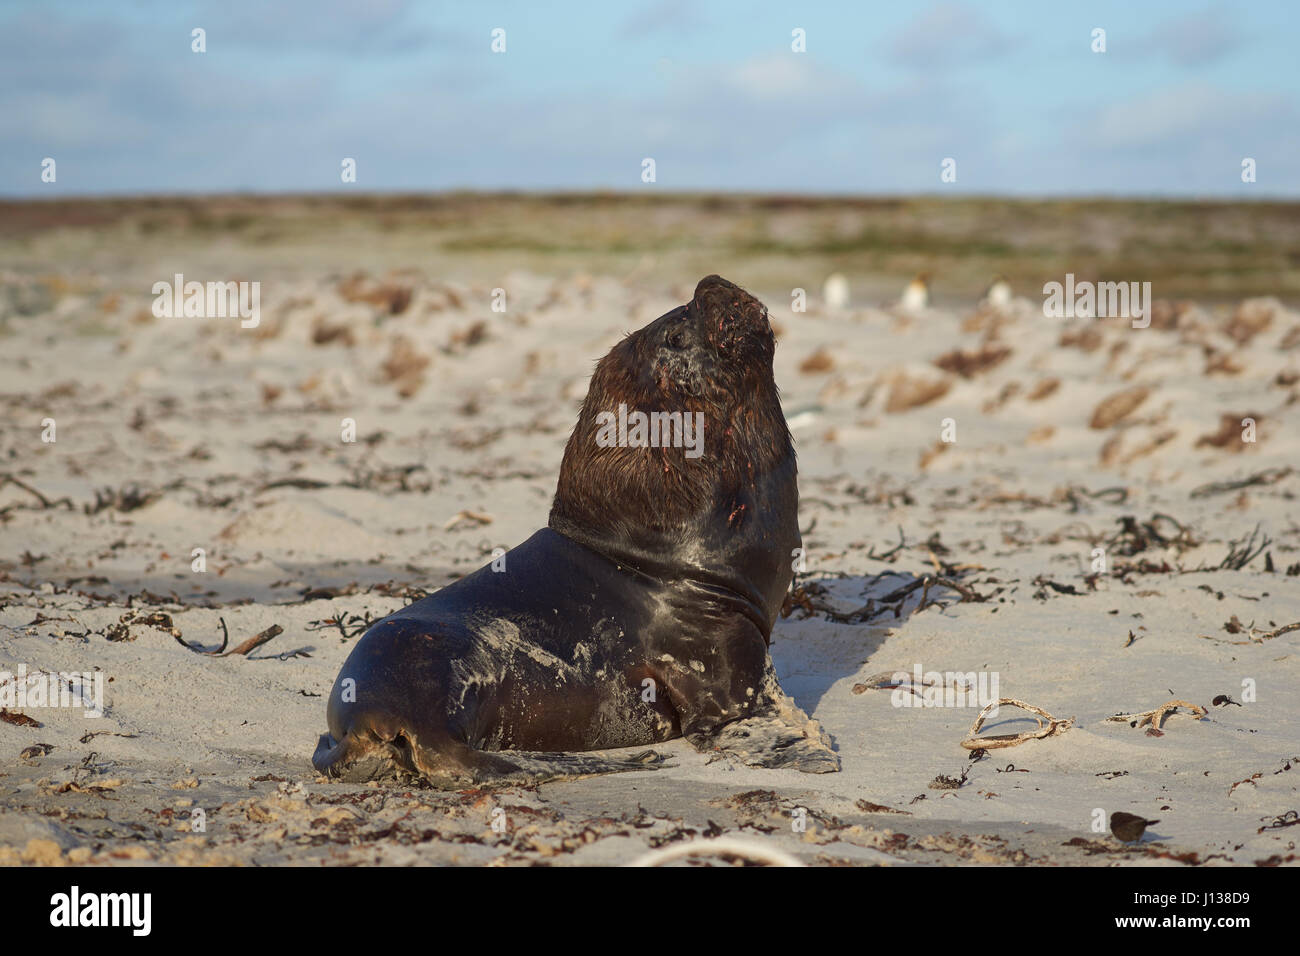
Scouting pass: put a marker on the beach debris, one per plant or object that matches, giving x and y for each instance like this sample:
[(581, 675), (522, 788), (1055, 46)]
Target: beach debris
[(413, 477), (888, 555), (1157, 717), (867, 806), (1042, 582), (1044, 389), (1228, 436), (1118, 407), (905, 680), (816, 362), (1276, 632), (243, 649), (18, 719), (971, 362), (722, 847), (128, 498), (225, 639), (121, 631), (1074, 494), (967, 593), (46, 503), (404, 366), (1251, 317), (906, 393), (302, 484), (1249, 780), (325, 332), (1112, 452), (1134, 537), (1242, 552), (1048, 726), (1129, 827), (358, 623), (90, 735), (299, 443), (806, 597), (388, 297), (1085, 339), (799, 597), (1289, 819), (467, 519), (474, 334), (945, 782), (256, 641), (1255, 635)]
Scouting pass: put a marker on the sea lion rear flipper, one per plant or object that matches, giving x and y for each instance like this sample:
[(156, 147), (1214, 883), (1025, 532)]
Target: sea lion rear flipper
[(527, 767), (361, 757)]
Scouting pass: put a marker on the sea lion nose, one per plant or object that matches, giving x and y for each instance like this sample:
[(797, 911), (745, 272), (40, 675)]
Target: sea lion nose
[(728, 314)]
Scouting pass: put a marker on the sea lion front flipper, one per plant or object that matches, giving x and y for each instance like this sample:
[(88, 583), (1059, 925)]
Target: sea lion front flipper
[(777, 735), (774, 741)]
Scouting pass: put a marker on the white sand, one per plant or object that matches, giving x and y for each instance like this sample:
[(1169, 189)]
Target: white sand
[(182, 408)]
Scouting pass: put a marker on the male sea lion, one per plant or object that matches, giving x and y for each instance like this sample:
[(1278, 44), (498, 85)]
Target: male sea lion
[(642, 613)]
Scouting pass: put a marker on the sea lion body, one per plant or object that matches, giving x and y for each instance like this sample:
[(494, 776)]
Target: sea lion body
[(641, 614)]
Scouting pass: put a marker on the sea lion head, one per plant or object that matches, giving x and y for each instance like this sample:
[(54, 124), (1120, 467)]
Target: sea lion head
[(730, 486), (711, 348)]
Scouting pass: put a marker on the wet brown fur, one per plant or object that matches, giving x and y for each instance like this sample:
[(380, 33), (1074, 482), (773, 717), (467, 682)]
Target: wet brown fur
[(618, 491)]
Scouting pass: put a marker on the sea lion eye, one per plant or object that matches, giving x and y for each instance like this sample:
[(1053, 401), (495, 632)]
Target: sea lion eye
[(675, 340)]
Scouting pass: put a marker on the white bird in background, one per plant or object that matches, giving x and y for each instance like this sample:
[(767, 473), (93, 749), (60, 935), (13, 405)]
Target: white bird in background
[(835, 292), (916, 297), (998, 294)]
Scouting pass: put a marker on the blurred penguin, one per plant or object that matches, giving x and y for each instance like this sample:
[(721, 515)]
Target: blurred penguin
[(998, 294), (835, 292), (916, 297)]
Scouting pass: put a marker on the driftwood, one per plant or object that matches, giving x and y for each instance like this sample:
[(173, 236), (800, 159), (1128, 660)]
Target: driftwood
[(1048, 726), (243, 649), (1157, 717)]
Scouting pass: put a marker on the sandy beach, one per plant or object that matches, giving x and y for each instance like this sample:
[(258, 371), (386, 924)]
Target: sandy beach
[(1105, 532)]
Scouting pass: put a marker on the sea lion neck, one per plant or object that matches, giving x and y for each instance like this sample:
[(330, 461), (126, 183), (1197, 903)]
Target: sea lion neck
[(698, 576)]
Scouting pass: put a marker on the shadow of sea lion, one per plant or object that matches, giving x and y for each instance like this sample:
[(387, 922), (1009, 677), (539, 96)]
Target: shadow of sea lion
[(837, 624)]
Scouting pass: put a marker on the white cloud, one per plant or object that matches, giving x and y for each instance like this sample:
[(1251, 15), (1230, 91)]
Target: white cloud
[(948, 34)]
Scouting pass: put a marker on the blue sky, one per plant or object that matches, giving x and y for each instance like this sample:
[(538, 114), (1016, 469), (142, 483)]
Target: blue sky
[(711, 91)]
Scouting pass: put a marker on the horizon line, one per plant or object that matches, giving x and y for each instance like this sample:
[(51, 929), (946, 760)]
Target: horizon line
[(676, 194)]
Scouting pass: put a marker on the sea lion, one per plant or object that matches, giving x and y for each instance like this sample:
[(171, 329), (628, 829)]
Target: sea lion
[(643, 611)]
